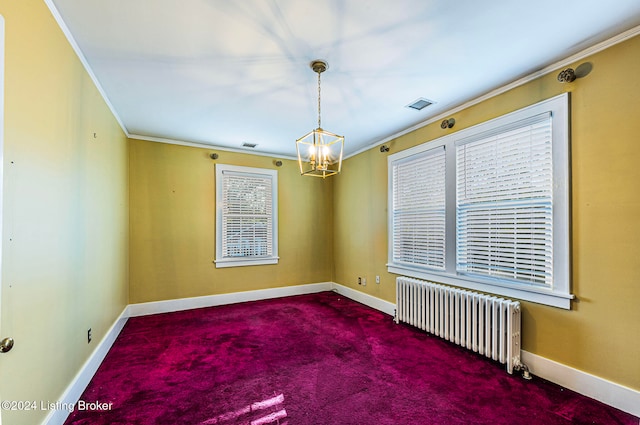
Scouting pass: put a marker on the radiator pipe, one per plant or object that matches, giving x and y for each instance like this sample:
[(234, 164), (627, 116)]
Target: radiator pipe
[(525, 371)]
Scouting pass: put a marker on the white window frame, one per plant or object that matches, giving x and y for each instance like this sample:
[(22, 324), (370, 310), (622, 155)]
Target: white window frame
[(558, 294), (237, 261)]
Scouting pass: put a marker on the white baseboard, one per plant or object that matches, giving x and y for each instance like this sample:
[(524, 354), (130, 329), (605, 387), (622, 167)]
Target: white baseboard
[(616, 395), (79, 383), (611, 393), (366, 299), (168, 306)]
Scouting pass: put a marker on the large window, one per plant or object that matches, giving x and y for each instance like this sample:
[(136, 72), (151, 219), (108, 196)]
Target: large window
[(246, 216), (487, 208)]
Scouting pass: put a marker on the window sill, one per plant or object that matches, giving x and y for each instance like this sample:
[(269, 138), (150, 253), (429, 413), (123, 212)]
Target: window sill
[(240, 262), (532, 294)]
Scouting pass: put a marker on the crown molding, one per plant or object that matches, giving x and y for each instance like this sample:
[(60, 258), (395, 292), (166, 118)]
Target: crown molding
[(85, 63), (626, 35), (589, 51), (208, 146)]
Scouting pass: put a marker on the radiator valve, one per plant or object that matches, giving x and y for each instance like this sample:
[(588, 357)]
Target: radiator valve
[(525, 371)]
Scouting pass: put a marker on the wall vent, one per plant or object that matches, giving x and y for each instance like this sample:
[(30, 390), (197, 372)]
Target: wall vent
[(420, 104)]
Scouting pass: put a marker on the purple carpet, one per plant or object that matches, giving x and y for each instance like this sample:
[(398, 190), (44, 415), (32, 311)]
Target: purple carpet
[(312, 359)]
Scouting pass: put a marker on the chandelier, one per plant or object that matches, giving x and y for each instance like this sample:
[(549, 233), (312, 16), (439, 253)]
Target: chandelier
[(320, 151)]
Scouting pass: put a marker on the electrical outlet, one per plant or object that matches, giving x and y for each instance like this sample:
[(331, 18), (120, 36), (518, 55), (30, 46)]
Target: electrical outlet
[(89, 336), (359, 280), (364, 281), (378, 279)]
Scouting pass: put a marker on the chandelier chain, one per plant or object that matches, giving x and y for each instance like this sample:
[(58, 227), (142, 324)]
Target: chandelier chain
[(319, 126)]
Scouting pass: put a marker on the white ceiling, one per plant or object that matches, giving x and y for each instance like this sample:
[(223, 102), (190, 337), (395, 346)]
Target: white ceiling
[(223, 72)]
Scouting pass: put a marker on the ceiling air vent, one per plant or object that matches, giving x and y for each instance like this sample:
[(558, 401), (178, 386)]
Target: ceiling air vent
[(249, 145), (420, 104)]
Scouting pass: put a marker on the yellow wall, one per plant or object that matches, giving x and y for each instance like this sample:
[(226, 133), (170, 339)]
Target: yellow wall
[(91, 224), (65, 239), (600, 335), (173, 225)]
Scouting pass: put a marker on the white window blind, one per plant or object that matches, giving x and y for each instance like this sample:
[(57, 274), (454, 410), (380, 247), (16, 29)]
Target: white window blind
[(246, 205), (419, 210), (504, 203)]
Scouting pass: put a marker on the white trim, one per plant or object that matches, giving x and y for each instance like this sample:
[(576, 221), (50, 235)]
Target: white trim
[(610, 393), (155, 307), (366, 299), (241, 262), (83, 60), (168, 306), (520, 292), (1, 153), (607, 392), (617, 39), (233, 172), (209, 146), (2, 49), (79, 383), (612, 41), (559, 295)]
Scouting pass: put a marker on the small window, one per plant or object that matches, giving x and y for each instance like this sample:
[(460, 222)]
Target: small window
[(487, 208), (246, 216)]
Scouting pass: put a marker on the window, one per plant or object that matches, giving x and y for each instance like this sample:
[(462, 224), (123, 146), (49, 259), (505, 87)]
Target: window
[(487, 208), (419, 209), (246, 216)]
